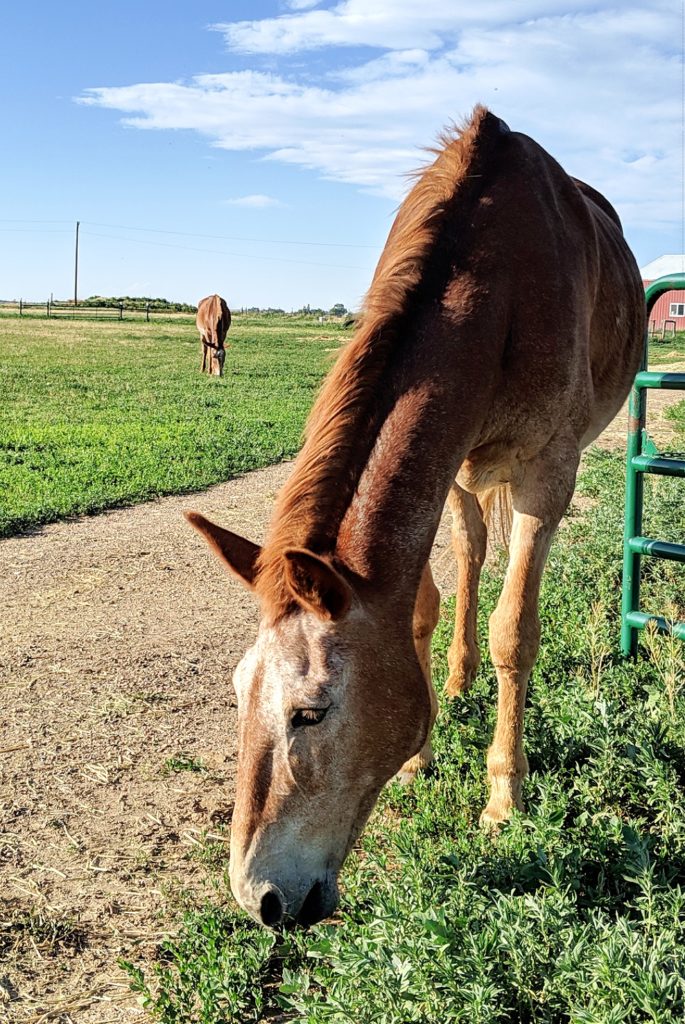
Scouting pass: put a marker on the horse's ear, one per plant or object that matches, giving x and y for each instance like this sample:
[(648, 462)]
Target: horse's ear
[(239, 554), (316, 585)]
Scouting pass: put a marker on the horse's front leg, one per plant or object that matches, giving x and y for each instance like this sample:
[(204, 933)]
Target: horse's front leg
[(469, 542), (426, 615), (540, 500)]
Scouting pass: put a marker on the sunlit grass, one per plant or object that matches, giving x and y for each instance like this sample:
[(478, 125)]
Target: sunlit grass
[(96, 415), (573, 914)]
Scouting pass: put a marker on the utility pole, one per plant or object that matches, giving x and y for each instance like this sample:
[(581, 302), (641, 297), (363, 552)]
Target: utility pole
[(76, 267)]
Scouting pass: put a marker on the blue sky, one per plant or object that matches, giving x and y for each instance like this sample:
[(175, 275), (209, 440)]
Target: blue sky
[(259, 149)]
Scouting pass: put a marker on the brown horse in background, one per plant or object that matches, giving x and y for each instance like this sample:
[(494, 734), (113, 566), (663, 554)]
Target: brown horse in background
[(213, 320), (500, 335)]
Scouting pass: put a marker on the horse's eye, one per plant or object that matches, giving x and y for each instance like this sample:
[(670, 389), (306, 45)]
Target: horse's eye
[(308, 716)]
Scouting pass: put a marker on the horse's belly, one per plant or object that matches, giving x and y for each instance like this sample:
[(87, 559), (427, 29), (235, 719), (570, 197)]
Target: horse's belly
[(489, 466)]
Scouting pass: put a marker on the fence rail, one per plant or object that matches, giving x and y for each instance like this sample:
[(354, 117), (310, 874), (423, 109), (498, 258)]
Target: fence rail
[(644, 457), (61, 310)]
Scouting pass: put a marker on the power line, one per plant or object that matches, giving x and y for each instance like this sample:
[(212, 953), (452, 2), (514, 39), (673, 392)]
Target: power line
[(26, 220), (40, 231), (76, 266), (234, 238), (189, 234), (220, 252)]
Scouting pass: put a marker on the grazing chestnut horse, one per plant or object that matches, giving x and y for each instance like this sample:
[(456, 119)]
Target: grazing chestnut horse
[(213, 321), (500, 335)]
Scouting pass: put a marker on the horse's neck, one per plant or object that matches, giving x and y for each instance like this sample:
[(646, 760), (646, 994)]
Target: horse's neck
[(441, 398)]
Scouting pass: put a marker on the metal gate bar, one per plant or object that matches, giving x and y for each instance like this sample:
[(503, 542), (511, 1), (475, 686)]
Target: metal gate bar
[(642, 457)]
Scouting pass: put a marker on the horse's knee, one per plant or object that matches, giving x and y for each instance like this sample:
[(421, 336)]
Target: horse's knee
[(514, 639)]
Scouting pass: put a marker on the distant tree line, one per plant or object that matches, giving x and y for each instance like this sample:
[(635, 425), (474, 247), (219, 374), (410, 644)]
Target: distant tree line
[(337, 310), (164, 305), (139, 302)]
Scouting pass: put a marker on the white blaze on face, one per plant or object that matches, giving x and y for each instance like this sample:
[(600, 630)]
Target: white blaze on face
[(332, 701), (300, 833), (317, 741)]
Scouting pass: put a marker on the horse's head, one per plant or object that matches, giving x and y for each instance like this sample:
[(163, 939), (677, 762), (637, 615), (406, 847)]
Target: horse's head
[(218, 357), (331, 703)]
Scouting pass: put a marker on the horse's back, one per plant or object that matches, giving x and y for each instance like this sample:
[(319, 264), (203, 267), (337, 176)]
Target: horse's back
[(556, 307), (213, 317)]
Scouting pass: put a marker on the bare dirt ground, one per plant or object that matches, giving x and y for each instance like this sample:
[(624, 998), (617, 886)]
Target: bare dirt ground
[(117, 743)]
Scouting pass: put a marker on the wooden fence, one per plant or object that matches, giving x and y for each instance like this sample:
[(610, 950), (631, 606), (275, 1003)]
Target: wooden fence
[(68, 310)]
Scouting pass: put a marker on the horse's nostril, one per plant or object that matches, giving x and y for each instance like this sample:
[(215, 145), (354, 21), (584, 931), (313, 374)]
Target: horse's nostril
[(312, 910), (271, 909)]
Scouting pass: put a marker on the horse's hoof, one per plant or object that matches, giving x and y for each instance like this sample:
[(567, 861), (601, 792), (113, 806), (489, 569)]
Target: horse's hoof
[(492, 820), (458, 683), (407, 773), (498, 812)]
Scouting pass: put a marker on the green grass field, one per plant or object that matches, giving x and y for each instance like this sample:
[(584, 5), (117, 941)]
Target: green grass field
[(670, 350), (99, 414), (575, 912)]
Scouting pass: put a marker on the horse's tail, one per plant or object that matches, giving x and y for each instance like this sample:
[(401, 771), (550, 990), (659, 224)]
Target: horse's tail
[(498, 512)]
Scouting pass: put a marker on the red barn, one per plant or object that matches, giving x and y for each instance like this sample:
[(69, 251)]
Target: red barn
[(671, 305)]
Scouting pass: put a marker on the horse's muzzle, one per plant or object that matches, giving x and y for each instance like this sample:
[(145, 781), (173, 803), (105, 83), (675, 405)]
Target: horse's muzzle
[(273, 909)]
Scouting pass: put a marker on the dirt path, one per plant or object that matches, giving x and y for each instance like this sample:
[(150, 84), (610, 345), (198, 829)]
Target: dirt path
[(119, 636)]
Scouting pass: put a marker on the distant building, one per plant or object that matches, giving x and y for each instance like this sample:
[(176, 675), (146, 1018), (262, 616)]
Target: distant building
[(670, 305)]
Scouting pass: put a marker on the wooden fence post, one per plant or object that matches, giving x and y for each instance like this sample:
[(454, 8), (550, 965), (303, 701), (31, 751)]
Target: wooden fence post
[(147, 312), (21, 313), (121, 311), (48, 305)]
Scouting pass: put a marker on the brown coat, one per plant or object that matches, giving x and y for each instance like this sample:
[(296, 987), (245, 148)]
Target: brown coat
[(502, 330), (213, 320)]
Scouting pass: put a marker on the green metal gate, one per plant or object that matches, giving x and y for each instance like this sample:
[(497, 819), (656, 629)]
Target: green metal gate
[(643, 457)]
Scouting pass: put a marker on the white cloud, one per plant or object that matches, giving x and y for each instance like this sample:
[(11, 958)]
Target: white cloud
[(257, 201), (387, 24), (302, 5), (397, 62), (580, 78)]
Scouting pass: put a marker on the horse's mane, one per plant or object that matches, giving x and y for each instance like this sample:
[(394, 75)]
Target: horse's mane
[(221, 315), (348, 413)]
